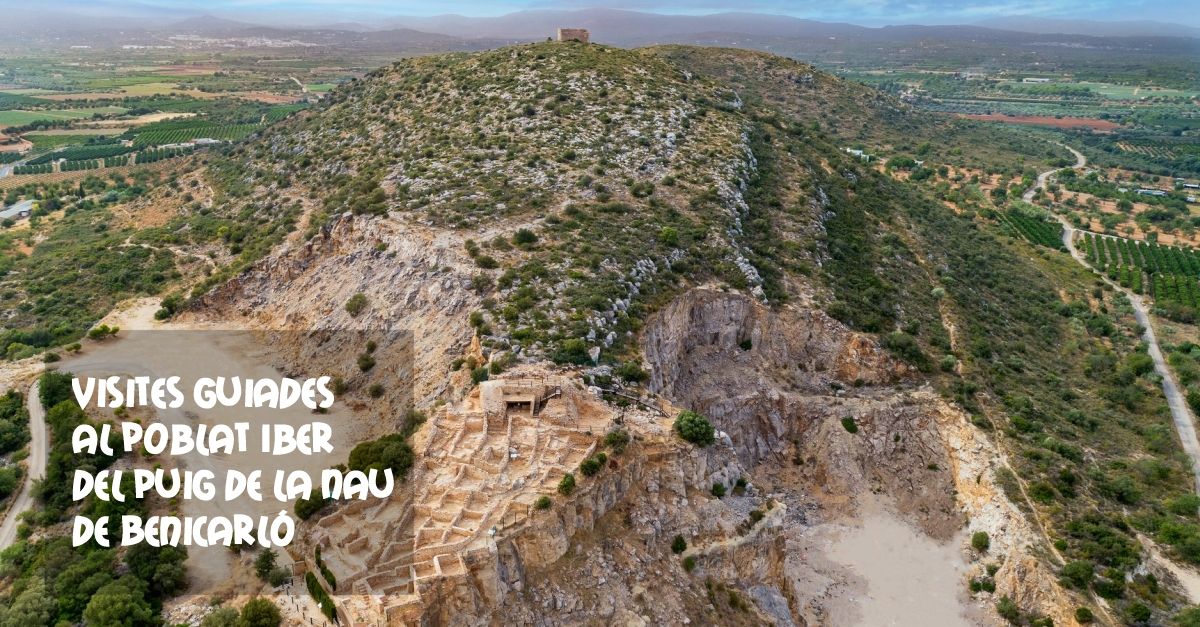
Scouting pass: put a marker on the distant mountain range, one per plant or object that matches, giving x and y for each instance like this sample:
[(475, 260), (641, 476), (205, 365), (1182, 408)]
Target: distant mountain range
[(611, 26), (1094, 28), (619, 25)]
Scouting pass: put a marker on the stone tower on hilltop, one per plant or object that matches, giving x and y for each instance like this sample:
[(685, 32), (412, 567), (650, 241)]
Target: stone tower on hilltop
[(573, 34)]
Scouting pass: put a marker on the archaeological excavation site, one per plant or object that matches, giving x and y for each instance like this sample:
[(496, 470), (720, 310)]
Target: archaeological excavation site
[(641, 319)]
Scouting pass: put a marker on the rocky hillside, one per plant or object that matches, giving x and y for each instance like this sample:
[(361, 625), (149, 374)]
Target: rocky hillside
[(683, 226)]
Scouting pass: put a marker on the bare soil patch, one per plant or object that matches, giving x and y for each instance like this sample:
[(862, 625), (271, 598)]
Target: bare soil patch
[(1044, 120)]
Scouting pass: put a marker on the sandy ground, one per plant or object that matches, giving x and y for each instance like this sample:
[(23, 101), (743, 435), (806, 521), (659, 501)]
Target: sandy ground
[(146, 347), (20, 146), (908, 578), (77, 131), (139, 120), (1045, 120)]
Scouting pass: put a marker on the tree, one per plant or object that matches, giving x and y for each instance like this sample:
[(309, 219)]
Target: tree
[(265, 563), (32, 607), (695, 428), (221, 617), (160, 567), (121, 603), (260, 612), (54, 387)]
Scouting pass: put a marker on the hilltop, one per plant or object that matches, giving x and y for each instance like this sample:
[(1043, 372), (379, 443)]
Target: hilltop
[(584, 242)]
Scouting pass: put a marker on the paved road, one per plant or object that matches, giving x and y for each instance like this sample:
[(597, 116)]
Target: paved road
[(1181, 413), (35, 470)]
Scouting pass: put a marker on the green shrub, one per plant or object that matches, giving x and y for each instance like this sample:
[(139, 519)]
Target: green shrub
[(389, 451), (1188, 617), (849, 424), (319, 595), (632, 372), (980, 541), (1186, 505), (1078, 574), (305, 508), (524, 237), (102, 332), (1008, 610), (356, 304), (1110, 588), (590, 466), (689, 563), (695, 428), (325, 572), (617, 440), (278, 577), (1083, 616), (542, 502), (678, 545), (567, 485), (260, 612), (1138, 613), (718, 490)]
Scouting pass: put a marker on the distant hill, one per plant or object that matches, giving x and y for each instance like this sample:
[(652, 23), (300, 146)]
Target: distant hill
[(635, 27), (208, 25), (1095, 28), (620, 26)]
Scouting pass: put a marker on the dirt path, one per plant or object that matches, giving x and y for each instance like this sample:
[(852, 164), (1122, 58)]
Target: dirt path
[(34, 471), (1181, 414)]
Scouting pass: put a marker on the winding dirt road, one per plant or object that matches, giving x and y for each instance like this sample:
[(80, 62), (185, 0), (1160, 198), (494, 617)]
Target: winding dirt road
[(34, 471), (1181, 414)]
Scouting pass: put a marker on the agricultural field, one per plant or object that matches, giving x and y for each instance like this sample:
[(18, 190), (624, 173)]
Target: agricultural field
[(23, 117), (1108, 90), (187, 132), (1170, 274), (45, 141), (1041, 230), (76, 153)]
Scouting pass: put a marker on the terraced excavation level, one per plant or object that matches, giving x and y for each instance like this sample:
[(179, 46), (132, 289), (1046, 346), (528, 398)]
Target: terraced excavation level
[(484, 464)]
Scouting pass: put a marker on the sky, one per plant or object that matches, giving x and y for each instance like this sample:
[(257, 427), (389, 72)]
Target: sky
[(867, 12)]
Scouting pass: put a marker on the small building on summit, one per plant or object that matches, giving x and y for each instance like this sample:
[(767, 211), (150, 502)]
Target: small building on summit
[(573, 34)]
